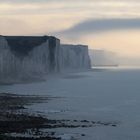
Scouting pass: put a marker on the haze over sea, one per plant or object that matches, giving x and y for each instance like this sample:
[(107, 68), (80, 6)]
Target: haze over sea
[(106, 95)]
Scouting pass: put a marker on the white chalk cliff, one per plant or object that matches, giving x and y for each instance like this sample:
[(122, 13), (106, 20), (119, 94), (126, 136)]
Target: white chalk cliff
[(74, 57), (26, 56)]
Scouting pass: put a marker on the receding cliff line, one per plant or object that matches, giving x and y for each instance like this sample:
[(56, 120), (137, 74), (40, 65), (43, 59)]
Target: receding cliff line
[(23, 57), (75, 57)]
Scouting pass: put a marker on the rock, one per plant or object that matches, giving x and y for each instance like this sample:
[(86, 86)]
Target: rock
[(31, 57)]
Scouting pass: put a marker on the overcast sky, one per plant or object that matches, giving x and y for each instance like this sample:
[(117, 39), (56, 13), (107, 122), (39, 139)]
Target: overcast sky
[(107, 24)]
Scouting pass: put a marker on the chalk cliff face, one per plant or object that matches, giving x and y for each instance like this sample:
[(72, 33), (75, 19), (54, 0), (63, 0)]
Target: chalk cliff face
[(26, 56), (75, 57)]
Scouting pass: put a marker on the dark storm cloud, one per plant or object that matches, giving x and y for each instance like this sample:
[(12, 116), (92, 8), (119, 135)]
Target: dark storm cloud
[(100, 25)]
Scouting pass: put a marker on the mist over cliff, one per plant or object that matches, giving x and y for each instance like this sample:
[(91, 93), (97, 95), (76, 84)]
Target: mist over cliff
[(24, 57), (103, 58)]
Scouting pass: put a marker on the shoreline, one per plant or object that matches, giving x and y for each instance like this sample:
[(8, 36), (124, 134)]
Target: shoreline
[(18, 124)]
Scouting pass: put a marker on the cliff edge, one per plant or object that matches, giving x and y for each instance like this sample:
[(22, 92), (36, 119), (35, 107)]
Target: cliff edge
[(24, 57)]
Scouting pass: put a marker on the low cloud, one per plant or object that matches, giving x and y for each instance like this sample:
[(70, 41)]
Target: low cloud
[(99, 26)]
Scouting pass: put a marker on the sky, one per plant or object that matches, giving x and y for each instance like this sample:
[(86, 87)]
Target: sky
[(102, 24)]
